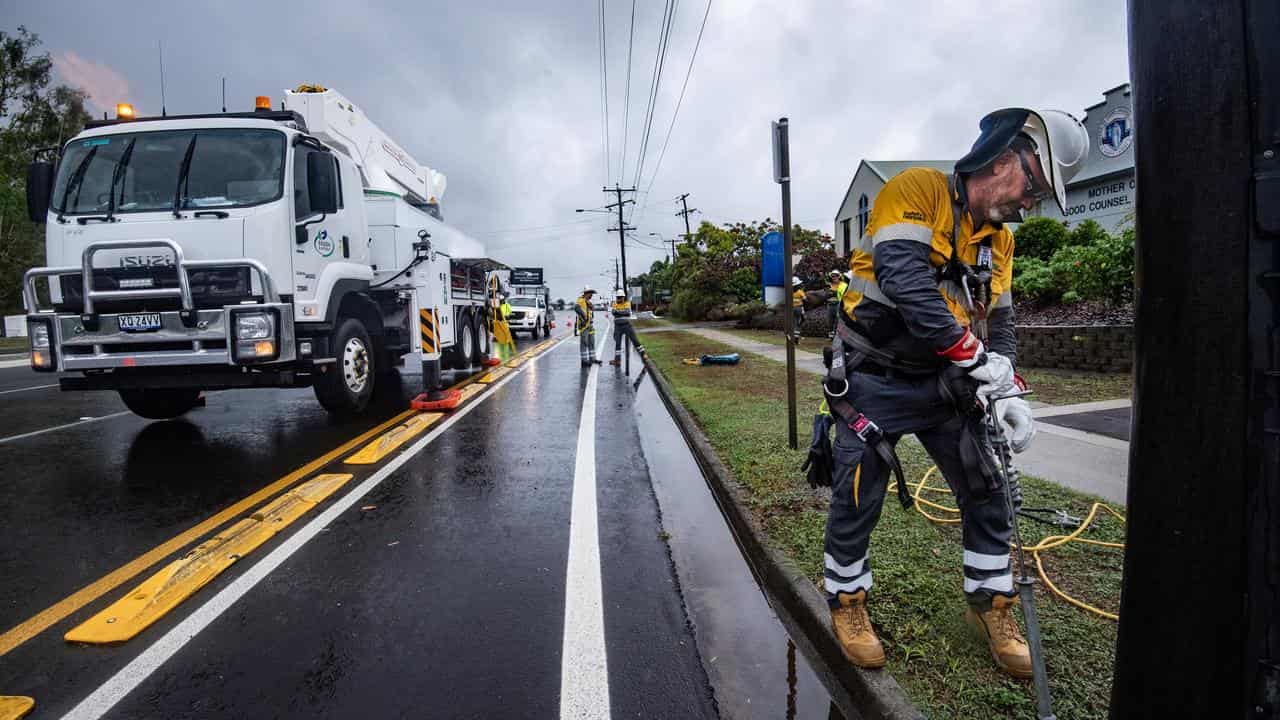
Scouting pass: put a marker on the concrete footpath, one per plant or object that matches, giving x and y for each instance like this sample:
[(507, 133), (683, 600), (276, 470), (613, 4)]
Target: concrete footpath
[(1083, 446)]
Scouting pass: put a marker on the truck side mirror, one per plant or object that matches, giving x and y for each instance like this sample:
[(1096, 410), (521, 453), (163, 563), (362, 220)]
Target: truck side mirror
[(322, 183), (39, 190)]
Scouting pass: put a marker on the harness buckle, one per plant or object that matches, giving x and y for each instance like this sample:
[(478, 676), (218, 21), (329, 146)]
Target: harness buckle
[(866, 430)]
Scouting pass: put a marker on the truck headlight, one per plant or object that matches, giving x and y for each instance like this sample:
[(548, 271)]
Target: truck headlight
[(254, 326), (41, 345), (255, 336)]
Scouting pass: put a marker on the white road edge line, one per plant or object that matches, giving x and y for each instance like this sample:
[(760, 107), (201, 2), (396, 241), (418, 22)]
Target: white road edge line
[(584, 667), (24, 361), (100, 701), (33, 387), (33, 433)]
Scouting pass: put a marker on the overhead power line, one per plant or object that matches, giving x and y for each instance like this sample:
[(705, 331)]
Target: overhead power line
[(683, 87), (604, 95), (626, 102), (659, 61)]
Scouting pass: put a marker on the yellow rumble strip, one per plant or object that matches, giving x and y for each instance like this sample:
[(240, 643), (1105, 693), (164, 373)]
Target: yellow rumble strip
[(392, 439), (163, 591), (13, 707), (492, 375)]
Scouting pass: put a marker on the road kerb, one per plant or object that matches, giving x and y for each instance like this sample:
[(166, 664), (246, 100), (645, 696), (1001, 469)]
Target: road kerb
[(165, 590), (872, 694)]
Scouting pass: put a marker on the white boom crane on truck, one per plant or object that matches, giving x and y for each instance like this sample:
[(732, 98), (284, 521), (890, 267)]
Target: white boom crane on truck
[(273, 248)]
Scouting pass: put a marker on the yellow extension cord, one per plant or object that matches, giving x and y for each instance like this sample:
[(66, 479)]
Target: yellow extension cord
[(1046, 544)]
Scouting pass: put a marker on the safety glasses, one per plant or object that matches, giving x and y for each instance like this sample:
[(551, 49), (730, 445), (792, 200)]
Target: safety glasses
[(1031, 190)]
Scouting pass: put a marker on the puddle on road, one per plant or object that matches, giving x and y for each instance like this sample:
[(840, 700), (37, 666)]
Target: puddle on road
[(753, 666)]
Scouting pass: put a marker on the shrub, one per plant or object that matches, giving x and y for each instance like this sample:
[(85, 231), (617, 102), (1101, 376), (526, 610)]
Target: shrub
[(1039, 238), (1102, 269), (688, 304), (743, 284), (1035, 280), (747, 310)]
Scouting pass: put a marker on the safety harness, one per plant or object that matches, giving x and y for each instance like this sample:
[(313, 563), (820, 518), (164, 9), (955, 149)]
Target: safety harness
[(849, 349)]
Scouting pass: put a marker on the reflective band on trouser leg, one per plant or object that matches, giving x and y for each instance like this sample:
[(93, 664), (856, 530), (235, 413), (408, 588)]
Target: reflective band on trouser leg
[(846, 566), (427, 331), (587, 345), (987, 572), (848, 578)]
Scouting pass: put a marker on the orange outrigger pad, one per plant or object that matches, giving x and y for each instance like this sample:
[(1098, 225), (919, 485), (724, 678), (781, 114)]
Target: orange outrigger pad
[(448, 400), (491, 362)]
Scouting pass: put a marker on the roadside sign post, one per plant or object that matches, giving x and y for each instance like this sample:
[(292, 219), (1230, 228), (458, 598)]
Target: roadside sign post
[(782, 176)]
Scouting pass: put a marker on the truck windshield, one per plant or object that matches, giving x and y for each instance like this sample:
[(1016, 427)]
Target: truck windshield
[(228, 168)]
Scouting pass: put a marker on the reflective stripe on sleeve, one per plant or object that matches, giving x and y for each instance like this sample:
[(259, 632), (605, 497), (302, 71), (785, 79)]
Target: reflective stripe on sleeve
[(904, 231)]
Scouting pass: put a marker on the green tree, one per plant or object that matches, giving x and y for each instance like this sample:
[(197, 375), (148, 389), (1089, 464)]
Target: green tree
[(34, 116)]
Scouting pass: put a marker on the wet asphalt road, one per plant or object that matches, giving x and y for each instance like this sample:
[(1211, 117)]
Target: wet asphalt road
[(439, 593)]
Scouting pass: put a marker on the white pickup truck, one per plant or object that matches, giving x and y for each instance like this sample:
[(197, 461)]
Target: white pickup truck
[(529, 314)]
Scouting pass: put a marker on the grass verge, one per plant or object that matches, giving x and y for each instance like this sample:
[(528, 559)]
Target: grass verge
[(651, 322), (13, 344), (917, 605), (1052, 386)]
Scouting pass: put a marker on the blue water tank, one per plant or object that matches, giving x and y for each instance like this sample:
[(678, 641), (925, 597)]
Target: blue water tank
[(772, 260)]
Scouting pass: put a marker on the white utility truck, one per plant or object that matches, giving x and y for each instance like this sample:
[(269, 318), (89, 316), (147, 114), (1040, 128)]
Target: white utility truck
[(274, 248)]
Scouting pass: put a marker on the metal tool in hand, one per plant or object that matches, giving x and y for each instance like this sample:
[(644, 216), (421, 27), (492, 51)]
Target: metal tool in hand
[(1040, 678)]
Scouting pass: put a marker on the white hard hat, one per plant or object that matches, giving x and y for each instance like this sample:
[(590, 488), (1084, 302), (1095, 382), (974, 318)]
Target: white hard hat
[(834, 273), (587, 289), (795, 281), (620, 293), (1061, 142)]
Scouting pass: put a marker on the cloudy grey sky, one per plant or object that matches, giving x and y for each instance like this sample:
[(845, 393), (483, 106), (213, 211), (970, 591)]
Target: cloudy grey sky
[(504, 96)]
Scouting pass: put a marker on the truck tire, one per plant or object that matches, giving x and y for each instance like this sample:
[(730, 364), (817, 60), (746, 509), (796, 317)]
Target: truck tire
[(459, 356), (476, 329), (160, 404), (346, 388), (482, 332)]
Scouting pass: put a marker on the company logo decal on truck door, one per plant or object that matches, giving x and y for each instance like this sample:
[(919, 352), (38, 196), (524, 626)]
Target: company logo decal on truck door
[(323, 244)]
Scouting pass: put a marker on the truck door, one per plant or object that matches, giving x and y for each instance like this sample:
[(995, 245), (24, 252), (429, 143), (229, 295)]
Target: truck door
[(318, 241)]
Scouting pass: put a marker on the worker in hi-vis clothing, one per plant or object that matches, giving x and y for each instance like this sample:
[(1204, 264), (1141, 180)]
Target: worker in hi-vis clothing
[(797, 307), (621, 312), (585, 330), (930, 339), (503, 341), (837, 283)]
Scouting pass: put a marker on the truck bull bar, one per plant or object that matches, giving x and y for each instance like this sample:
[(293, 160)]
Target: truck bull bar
[(181, 265), (189, 336)]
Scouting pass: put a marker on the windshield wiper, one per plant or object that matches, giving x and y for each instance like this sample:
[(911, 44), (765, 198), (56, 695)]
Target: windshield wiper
[(184, 172), (118, 175), (77, 176)]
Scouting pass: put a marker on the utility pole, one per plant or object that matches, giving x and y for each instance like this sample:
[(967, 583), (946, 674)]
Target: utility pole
[(615, 275), (685, 212), (1199, 631), (622, 228)]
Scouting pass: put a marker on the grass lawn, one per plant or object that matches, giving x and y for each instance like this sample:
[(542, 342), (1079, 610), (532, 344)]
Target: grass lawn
[(1067, 387), (13, 344), (1052, 386), (651, 322), (917, 604)]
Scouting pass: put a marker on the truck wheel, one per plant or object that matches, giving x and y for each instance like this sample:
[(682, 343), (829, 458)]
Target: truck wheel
[(482, 333), (160, 404), (476, 331), (346, 388)]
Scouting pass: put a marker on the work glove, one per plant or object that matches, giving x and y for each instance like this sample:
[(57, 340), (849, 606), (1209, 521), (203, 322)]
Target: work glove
[(993, 371), (820, 462), (1017, 422)]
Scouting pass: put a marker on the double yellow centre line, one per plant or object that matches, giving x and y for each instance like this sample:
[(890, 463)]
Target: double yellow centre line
[(59, 611)]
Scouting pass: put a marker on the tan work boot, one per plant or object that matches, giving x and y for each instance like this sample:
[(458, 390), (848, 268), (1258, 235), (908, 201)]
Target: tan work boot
[(615, 362), (853, 629), (1000, 630)]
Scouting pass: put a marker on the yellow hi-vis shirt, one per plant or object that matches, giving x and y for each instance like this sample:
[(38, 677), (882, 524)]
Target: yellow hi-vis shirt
[(916, 205), (584, 309), (797, 299)]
